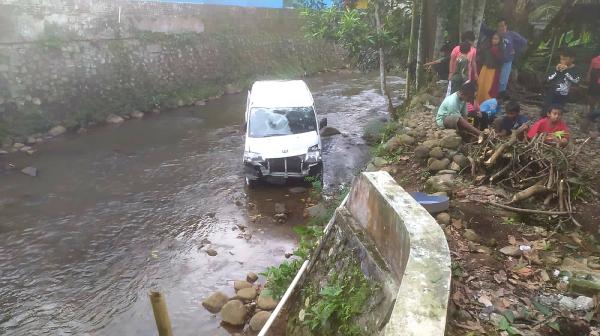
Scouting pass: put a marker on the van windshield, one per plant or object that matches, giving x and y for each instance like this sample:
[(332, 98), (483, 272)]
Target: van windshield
[(268, 122)]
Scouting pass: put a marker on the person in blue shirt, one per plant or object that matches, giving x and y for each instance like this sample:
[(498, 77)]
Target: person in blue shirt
[(512, 120), (513, 44)]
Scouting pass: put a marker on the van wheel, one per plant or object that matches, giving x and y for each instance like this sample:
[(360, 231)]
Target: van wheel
[(251, 183)]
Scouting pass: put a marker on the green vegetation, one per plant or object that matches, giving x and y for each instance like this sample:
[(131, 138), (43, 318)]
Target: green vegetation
[(334, 309)]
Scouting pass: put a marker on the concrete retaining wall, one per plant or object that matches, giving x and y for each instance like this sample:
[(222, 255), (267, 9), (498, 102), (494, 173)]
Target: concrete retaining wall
[(414, 247), (73, 62)]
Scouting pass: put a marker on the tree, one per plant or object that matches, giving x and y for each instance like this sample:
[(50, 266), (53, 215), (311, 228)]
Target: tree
[(412, 45)]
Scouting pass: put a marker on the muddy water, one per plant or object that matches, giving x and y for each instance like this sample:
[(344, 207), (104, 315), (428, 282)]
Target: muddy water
[(120, 210)]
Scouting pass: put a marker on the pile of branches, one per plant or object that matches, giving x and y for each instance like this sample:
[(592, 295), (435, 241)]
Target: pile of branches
[(531, 170)]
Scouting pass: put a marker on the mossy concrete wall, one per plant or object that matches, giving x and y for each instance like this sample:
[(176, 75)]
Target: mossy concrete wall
[(73, 62)]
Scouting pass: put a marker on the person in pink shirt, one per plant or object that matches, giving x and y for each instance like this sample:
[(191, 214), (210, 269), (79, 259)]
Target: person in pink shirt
[(467, 36), (555, 129), (593, 77)]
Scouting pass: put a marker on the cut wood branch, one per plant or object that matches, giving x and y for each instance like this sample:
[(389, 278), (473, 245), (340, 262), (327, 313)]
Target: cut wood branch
[(529, 192), (530, 211)]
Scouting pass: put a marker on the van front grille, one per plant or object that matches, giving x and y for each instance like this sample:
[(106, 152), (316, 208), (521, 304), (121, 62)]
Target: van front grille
[(294, 164)]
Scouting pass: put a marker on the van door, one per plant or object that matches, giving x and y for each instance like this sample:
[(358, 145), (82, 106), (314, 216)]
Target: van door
[(247, 114)]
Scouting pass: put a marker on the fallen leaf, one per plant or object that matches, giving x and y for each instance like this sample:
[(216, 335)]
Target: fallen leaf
[(544, 275), (485, 300), (470, 325), (500, 277)]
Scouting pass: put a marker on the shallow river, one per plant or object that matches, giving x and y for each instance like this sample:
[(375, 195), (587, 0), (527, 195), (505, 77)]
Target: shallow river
[(123, 209)]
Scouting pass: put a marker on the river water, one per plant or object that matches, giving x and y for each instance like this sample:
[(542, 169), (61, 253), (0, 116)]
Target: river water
[(123, 209)]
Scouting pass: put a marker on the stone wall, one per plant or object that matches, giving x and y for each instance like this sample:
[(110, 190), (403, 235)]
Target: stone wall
[(73, 62)]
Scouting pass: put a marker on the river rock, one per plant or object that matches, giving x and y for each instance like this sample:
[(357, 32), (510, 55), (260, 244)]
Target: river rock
[(280, 208), (259, 320), (114, 119), (246, 294), (31, 140), (31, 171), (25, 149), (511, 250), (431, 143), (298, 190), (18, 145), (215, 302), (472, 236), (438, 183), (137, 114), (238, 285), (392, 145), (379, 161), (436, 165), (251, 277), (328, 131), (211, 252), (451, 142), (3, 152), (436, 153), (405, 139), (266, 302), (57, 130), (461, 160), (421, 152), (232, 89), (234, 313), (200, 103), (455, 166), (374, 129), (443, 218), (318, 210)]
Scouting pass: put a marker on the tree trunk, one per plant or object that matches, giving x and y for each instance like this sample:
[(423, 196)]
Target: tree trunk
[(410, 66), (466, 15), (381, 55), (479, 10), (440, 27), (420, 45), (429, 15)]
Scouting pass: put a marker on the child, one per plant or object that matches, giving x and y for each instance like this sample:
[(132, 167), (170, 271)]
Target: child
[(555, 130), (490, 55), (512, 119), (461, 71), (469, 37), (441, 65), (453, 110), (593, 77), (485, 113), (561, 80)]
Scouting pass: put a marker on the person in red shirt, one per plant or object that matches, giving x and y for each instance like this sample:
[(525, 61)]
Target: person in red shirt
[(593, 76), (554, 128), (469, 37)]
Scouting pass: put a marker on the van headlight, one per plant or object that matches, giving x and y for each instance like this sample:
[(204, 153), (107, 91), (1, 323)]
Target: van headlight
[(252, 157), (313, 154)]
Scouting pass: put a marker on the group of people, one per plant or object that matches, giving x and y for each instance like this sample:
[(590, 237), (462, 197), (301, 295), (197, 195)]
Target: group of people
[(478, 79)]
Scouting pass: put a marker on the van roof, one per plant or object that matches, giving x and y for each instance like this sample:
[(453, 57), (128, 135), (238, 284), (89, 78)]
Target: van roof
[(293, 93)]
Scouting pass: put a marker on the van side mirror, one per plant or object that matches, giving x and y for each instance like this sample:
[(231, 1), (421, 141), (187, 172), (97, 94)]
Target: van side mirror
[(322, 123)]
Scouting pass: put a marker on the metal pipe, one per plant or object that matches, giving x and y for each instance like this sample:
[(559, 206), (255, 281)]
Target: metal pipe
[(161, 315)]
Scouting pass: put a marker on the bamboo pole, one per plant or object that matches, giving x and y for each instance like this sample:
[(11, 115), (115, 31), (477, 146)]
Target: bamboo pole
[(161, 315)]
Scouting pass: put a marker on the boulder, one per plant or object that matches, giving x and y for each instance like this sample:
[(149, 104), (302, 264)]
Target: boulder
[(436, 153), (421, 152), (238, 285), (318, 210), (266, 302), (137, 114), (438, 183), (451, 142), (31, 171), (379, 161), (251, 277), (461, 160), (392, 145), (405, 139), (234, 313), (259, 320), (443, 218), (436, 165), (374, 129), (57, 130), (328, 131), (431, 143), (246, 294), (215, 302), (114, 119)]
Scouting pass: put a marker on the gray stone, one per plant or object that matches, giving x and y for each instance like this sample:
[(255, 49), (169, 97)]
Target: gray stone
[(57, 130), (443, 218), (421, 152), (114, 119), (318, 210), (280, 208), (215, 302), (371, 168), (436, 153), (137, 114), (31, 171), (298, 190), (232, 89), (431, 143), (251, 277), (472, 236), (259, 320), (436, 165), (451, 142), (438, 183), (18, 145), (581, 303), (246, 294), (237, 285), (495, 319), (405, 139), (511, 250), (234, 313), (392, 145), (373, 130), (211, 252), (455, 166), (266, 302), (328, 131), (25, 149), (461, 160), (31, 140), (379, 161)]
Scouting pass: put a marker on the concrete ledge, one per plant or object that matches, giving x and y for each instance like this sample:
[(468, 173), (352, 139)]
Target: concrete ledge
[(415, 248)]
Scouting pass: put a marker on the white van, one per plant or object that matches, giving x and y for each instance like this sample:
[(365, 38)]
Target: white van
[(282, 133)]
